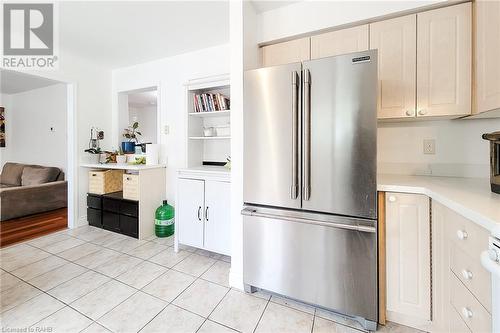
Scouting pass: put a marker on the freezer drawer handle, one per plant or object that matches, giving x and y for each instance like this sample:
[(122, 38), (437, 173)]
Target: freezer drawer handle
[(295, 135), (307, 134), (345, 226)]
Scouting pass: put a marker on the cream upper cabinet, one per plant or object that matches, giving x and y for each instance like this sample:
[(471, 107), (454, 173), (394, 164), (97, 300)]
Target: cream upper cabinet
[(444, 44), (339, 42), (287, 52), (487, 54), (396, 41), (408, 259)]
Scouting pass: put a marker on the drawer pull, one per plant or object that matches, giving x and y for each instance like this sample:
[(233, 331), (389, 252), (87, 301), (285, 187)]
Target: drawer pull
[(462, 234), (467, 274), (467, 313), (392, 198)]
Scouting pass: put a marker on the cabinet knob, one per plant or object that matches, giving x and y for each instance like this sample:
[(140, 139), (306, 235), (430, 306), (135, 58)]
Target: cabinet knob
[(467, 313), (410, 113), (392, 198), (467, 274), (462, 234), (422, 112), (493, 255)]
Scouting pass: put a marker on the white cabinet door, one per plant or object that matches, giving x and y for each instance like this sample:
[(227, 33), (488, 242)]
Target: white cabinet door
[(340, 42), (189, 219), (487, 55), (287, 52), (444, 61), (396, 42), (217, 217), (408, 259)]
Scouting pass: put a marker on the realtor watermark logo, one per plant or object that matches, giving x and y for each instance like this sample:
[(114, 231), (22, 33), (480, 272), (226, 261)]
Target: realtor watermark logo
[(29, 36)]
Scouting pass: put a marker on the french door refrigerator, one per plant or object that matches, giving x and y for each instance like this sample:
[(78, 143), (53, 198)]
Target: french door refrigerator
[(309, 221)]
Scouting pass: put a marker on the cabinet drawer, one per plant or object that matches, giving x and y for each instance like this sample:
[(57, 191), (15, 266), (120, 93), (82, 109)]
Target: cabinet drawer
[(94, 217), (111, 205), (131, 187), (472, 274), (468, 236), (111, 221), (94, 201), (129, 208), (129, 226), (470, 310), (456, 323)]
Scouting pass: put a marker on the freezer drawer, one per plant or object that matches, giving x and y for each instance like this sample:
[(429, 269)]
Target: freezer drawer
[(330, 263)]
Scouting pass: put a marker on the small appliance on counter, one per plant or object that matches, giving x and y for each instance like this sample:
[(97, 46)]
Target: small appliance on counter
[(494, 139)]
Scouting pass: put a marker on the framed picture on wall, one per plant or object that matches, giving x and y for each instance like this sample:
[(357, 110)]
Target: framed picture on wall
[(2, 126)]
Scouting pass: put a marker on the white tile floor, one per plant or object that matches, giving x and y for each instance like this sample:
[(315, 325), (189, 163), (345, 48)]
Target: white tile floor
[(91, 280)]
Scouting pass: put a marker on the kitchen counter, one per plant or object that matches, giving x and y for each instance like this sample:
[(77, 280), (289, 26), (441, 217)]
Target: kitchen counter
[(470, 197), (116, 166)]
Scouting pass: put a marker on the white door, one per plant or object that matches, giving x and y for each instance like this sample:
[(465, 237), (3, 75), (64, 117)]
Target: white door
[(217, 217), (444, 61), (339, 42), (396, 42), (190, 203), (408, 259), (487, 55)]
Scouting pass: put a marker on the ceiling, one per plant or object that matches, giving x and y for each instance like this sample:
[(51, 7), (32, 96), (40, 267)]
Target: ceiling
[(123, 33), (264, 6), (15, 82)]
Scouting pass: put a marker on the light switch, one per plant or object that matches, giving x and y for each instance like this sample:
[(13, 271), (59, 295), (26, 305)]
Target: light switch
[(52, 129)]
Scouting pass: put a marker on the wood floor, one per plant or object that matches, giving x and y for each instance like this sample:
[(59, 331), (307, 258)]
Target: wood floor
[(24, 228)]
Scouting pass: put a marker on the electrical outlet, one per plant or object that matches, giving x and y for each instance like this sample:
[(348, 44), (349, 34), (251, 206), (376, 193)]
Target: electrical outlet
[(430, 146), (166, 129)]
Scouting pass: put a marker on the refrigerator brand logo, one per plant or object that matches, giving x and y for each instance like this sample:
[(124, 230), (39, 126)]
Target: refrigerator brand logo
[(360, 59), (29, 36)]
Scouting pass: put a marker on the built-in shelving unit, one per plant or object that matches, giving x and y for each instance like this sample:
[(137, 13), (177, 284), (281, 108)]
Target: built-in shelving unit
[(201, 148)]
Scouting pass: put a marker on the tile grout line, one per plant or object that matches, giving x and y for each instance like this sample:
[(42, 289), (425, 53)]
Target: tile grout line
[(262, 315)]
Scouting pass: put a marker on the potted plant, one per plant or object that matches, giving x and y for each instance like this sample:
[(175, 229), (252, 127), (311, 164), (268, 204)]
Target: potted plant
[(120, 157), (131, 133), (94, 154)]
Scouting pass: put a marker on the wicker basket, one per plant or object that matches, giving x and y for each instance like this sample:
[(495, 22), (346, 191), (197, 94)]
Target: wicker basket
[(105, 181), (131, 187)]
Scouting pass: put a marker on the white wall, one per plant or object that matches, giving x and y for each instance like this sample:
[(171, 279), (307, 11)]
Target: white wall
[(146, 116), (308, 16), (30, 116), (170, 74), (460, 150), (92, 90)]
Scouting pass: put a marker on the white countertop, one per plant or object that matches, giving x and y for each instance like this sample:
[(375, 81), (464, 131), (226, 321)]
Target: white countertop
[(123, 166), (209, 169), (470, 197)]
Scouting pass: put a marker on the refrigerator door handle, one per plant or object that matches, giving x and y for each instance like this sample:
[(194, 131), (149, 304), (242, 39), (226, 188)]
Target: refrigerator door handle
[(306, 86), (338, 225), (295, 135)]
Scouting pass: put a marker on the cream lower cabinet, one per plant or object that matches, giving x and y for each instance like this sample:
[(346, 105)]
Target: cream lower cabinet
[(461, 286), (203, 214), (487, 55), (408, 259)]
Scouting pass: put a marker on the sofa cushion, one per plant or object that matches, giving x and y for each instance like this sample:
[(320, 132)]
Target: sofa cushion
[(12, 173), (35, 175)]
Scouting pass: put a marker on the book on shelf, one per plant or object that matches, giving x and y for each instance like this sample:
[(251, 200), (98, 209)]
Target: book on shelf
[(210, 102)]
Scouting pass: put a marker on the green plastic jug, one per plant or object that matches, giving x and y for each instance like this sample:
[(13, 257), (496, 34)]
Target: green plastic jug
[(164, 220)]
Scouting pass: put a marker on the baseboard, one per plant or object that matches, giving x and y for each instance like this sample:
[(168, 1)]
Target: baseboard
[(82, 220), (235, 280), (411, 321)]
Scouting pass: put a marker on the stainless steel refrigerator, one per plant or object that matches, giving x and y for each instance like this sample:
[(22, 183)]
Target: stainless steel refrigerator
[(310, 147)]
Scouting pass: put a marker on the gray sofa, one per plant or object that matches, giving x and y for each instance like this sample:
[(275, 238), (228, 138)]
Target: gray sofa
[(29, 189)]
